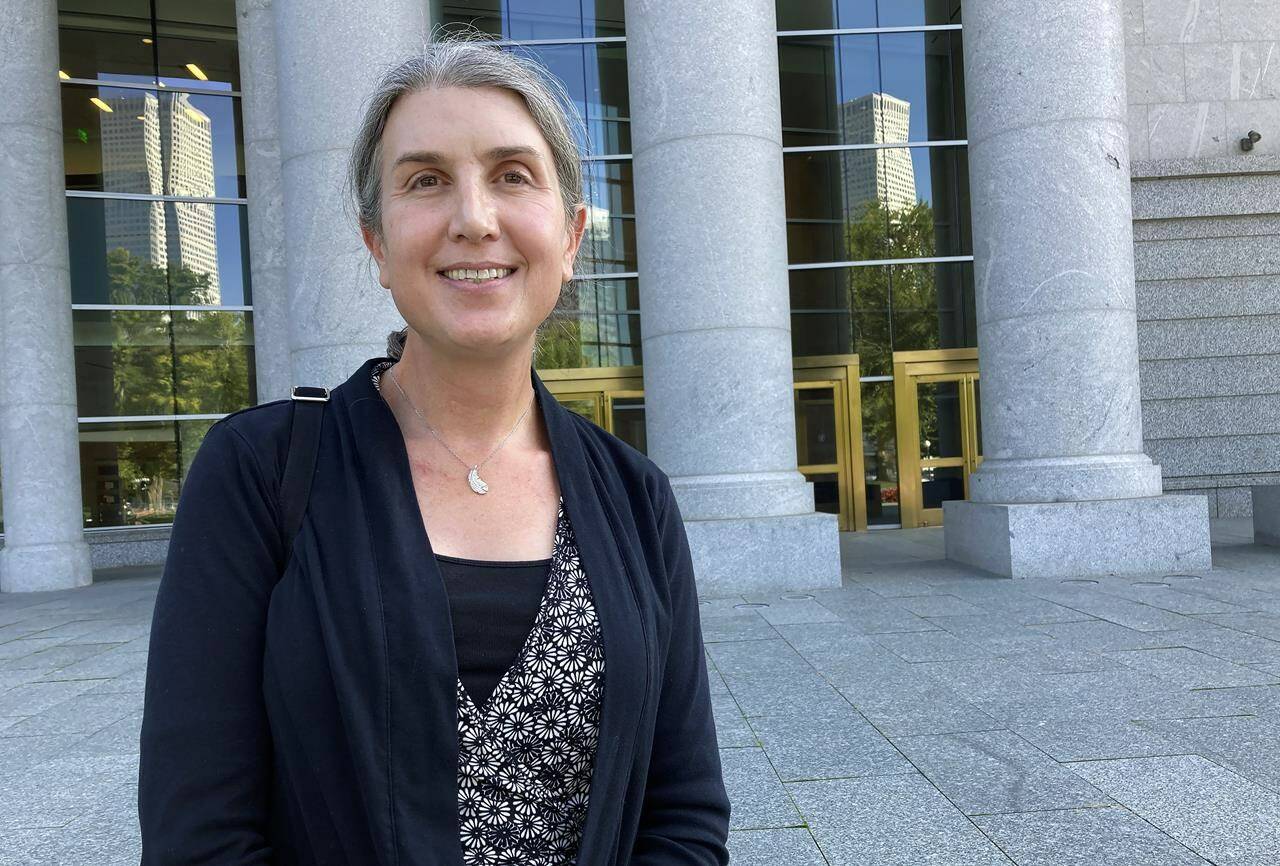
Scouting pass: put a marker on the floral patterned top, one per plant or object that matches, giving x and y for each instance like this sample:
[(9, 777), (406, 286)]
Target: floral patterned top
[(526, 757)]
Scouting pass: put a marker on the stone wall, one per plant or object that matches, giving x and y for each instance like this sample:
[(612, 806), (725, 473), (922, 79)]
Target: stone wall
[(1202, 74)]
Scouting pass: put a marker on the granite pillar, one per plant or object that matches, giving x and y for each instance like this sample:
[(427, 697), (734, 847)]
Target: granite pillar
[(714, 300), (256, 35), (329, 56), (1065, 487), (44, 546)]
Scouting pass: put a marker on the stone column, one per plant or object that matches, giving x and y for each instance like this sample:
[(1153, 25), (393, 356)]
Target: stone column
[(1065, 487), (714, 298), (256, 34), (44, 546), (329, 54)]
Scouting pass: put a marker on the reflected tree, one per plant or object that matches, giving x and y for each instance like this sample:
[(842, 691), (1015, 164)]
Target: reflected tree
[(169, 363)]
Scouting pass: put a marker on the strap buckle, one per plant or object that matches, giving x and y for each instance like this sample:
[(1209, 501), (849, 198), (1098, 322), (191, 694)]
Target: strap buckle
[(310, 393)]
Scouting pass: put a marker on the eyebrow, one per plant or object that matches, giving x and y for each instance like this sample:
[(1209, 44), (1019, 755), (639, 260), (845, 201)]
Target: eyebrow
[(494, 155)]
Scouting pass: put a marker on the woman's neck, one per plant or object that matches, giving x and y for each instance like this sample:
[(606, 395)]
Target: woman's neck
[(471, 403)]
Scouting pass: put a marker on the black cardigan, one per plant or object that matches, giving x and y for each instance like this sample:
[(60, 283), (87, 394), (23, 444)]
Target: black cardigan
[(311, 718)]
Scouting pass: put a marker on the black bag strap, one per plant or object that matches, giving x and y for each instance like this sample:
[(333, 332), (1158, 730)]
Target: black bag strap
[(300, 464)]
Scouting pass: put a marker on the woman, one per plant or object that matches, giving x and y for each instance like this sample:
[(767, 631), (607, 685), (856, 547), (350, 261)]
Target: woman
[(484, 646)]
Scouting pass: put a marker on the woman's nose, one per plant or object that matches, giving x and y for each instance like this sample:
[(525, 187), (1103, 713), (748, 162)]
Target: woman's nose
[(475, 216)]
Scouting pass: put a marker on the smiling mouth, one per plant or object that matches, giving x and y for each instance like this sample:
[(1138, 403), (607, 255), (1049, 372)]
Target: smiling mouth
[(477, 277)]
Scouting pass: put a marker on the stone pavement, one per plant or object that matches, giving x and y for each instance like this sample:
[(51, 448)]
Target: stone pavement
[(922, 714)]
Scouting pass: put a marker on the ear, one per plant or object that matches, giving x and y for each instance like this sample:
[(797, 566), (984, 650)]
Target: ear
[(373, 242), (573, 240)]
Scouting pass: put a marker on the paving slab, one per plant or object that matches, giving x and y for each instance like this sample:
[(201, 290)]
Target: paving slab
[(757, 798), (1105, 836), (732, 729), (891, 821), (942, 606), (1192, 669), (1100, 634), (1085, 739), (748, 625), (996, 771), (794, 846), (1246, 744), (1261, 624), (1226, 643), (1211, 810), (917, 705), (831, 744), (82, 714), (930, 646)]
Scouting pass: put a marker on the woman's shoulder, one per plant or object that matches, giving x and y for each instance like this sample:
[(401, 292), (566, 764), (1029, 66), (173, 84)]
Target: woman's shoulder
[(261, 431)]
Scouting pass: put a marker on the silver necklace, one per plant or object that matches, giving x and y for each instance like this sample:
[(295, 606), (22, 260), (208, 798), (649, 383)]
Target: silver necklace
[(474, 481)]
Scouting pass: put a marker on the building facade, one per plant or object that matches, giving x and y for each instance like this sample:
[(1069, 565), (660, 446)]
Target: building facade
[(851, 265)]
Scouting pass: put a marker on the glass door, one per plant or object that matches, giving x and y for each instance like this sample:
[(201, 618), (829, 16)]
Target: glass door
[(939, 432), (820, 441)]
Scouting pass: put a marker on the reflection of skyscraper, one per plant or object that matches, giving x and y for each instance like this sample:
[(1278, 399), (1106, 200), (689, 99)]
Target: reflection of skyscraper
[(883, 174), (142, 136)]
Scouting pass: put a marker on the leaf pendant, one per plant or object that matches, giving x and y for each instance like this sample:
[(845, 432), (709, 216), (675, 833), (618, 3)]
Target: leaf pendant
[(476, 482)]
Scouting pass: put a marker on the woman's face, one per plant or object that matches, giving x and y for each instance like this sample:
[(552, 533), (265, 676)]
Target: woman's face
[(474, 244)]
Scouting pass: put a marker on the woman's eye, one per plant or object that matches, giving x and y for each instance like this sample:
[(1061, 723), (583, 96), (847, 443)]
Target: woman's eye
[(518, 177), (422, 181)]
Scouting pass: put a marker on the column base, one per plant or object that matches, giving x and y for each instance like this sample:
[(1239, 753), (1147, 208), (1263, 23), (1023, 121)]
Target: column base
[(765, 554), (44, 567), (1080, 539)]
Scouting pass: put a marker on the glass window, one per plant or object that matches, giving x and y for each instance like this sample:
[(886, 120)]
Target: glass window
[(817, 442), (196, 44), (853, 316), (595, 324), (609, 245), (912, 13), (871, 89), (880, 453), (484, 15), (923, 77), (536, 19), (933, 306), (152, 252), (817, 76), (848, 14), (152, 142), (877, 203), (825, 14), (160, 362), (628, 422), (826, 491), (131, 472), (595, 77), (107, 42)]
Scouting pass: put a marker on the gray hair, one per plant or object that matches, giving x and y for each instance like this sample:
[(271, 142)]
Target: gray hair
[(464, 60)]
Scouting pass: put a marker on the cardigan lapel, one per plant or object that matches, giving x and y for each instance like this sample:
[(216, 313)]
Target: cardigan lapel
[(628, 667), (422, 668)]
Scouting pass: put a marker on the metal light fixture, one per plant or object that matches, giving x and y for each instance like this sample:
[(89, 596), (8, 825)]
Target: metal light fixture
[(1250, 140), (102, 105), (197, 72)]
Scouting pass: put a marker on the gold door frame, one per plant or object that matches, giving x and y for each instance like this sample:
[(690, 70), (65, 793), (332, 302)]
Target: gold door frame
[(934, 365), (839, 372)]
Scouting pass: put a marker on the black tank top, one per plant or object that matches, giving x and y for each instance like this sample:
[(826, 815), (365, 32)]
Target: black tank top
[(493, 605)]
